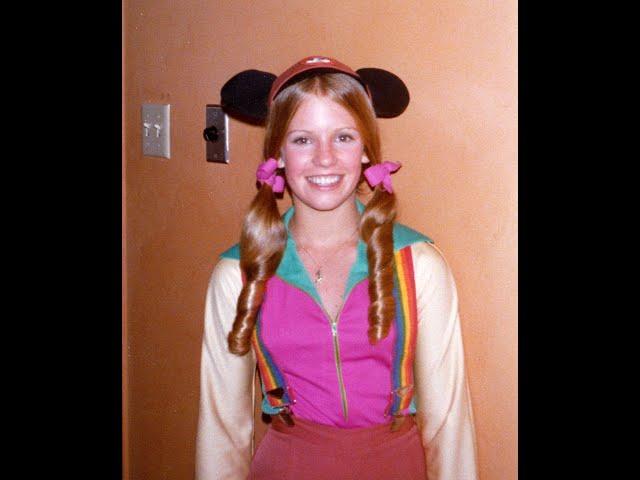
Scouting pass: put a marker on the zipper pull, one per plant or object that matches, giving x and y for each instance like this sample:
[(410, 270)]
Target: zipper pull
[(334, 328)]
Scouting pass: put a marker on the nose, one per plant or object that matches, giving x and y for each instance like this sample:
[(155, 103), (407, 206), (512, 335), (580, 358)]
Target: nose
[(324, 154)]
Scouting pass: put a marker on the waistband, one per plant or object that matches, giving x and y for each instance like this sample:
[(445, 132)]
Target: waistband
[(351, 438)]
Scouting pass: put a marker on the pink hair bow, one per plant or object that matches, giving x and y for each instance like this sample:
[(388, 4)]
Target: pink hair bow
[(266, 173), (381, 173)]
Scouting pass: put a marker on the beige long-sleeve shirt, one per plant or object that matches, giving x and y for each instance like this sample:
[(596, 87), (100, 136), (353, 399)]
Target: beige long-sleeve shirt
[(224, 444)]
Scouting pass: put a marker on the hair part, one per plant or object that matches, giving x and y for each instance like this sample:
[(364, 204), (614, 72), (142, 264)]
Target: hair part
[(263, 236)]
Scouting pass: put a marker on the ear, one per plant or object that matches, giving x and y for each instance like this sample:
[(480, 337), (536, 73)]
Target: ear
[(280, 162), (365, 159), (244, 96), (389, 94)]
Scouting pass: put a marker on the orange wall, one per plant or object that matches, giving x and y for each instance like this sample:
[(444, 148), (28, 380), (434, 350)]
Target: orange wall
[(457, 140)]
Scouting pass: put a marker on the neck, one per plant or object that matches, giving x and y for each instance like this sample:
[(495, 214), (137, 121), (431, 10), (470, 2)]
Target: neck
[(325, 228)]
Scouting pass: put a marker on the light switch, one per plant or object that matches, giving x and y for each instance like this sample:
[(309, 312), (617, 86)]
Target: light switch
[(156, 129)]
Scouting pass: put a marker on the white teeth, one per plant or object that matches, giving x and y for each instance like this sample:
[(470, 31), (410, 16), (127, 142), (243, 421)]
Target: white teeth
[(324, 180)]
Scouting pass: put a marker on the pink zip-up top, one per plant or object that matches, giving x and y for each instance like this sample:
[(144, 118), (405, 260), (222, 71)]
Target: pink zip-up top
[(335, 376), (321, 360)]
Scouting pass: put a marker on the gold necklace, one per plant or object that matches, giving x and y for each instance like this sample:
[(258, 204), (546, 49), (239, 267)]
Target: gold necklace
[(318, 273)]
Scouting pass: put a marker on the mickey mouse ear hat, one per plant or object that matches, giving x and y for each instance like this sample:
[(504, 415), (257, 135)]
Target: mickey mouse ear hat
[(249, 94)]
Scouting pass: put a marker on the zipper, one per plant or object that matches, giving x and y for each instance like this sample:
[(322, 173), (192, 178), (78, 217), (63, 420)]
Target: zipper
[(336, 352), (336, 345)]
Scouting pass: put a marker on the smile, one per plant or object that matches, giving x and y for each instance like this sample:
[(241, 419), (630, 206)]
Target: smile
[(324, 180)]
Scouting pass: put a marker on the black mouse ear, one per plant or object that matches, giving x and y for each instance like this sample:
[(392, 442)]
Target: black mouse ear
[(245, 95), (389, 94)]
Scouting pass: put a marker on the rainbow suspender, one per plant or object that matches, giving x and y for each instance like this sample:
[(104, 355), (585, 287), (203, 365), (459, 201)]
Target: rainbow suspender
[(274, 387), (404, 293), (277, 396)]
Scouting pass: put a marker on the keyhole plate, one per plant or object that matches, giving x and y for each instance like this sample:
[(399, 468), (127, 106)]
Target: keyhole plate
[(218, 151)]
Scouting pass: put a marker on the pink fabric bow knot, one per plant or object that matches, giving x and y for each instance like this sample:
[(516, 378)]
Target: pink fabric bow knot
[(266, 173), (381, 173)]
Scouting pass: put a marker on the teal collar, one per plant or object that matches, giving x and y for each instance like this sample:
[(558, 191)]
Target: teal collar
[(292, 271)]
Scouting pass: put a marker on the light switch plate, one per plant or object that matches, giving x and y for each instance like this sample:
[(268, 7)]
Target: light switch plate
[(218, 142), (156, 130)]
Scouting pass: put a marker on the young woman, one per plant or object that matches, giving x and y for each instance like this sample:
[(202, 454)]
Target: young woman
[(350, 317)]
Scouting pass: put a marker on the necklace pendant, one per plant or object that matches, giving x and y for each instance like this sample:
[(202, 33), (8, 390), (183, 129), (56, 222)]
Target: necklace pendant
[(318, 276)]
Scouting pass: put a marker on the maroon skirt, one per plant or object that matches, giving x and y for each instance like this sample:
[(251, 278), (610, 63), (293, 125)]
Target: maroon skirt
[(312, 451)]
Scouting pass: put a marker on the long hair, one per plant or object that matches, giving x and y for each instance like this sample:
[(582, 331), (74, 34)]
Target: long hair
[(263, 236)]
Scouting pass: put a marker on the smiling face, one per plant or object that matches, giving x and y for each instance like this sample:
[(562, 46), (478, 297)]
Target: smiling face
[(322, 154)]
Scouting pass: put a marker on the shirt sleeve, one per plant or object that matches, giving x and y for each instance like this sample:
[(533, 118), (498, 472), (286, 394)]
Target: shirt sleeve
[(225, 422), (443, 405)]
